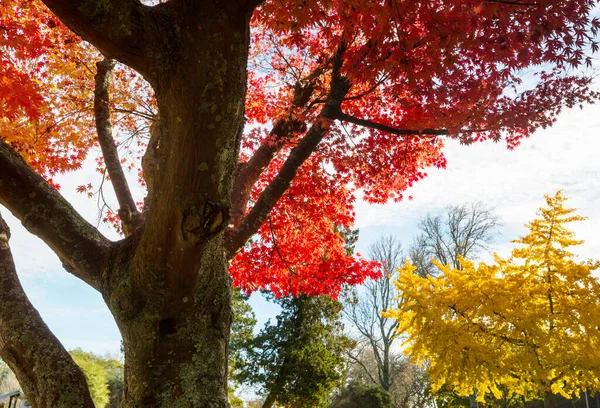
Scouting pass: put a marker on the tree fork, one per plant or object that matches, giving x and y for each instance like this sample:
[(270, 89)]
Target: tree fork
[(130, 217)]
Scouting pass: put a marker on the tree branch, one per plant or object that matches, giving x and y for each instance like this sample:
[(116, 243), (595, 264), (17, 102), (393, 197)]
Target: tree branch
[(363, 366), (118, 28), (252, 4), (45, 213), (299, 154), (278, 186), (130, 217), (514, 3), (249, 172), (378, 126), (43, 367)]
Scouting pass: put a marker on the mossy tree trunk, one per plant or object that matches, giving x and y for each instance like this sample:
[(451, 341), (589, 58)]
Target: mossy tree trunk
[(166, 283), (43, 367)]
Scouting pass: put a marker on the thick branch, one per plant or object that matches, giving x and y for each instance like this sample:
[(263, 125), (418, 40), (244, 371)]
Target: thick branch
[(299, 154), (273, 192), (249, 172), (128, 213), (43, 367), (252, 4), (378, 126), (116, 27), (45, 213)]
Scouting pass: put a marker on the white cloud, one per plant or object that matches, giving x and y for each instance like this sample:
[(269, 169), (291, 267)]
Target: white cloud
[(514, 182)]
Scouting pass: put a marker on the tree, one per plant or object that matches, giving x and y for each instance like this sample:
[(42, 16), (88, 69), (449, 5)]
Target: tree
[(298, 361), (242, 335), (410, 385), (363, 310), (96, 376), (116, 385), (527, 325), (337, 96), (464, 231), (361, 395), (8, 381)]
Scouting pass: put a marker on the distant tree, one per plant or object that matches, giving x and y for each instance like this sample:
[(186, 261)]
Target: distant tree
[(410, 386), (359, 395), (242, 335), (463, 230), (96, 376), (526, 325), (8, 380), (363, 307), (116, 377), (298, 361)]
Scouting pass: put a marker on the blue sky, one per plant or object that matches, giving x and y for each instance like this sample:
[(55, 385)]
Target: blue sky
[(563, 157)]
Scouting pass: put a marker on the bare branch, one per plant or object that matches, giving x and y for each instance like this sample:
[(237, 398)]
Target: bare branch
[(42, 365), (465, 230), (363, 310), (45, 213), (130, 217), (358, 361), (385, 128)]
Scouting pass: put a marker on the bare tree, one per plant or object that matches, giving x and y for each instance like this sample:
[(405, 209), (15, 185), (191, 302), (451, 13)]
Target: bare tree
[(363, 310), (463, 230)]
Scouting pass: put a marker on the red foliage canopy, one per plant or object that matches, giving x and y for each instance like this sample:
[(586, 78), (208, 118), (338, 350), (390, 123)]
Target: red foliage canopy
[(414, 73)]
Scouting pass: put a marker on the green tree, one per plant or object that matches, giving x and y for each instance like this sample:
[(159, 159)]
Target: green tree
[(241, 337), (96, 376), (116, 384), (298, 361), (363, 395)]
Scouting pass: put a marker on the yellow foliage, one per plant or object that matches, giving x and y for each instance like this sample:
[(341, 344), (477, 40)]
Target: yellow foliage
[(527, 324)]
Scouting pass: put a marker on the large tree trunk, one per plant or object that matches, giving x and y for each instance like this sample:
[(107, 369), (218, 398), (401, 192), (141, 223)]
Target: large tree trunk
[(175, 340), (167, 283), (169, 288), (47, 373)]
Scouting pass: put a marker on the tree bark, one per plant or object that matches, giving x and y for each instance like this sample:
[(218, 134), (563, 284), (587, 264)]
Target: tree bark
[(168, 284), (45, 370), (269, 401)]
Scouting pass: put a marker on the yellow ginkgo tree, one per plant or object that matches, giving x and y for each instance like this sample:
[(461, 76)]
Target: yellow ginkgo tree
[(526, 325)]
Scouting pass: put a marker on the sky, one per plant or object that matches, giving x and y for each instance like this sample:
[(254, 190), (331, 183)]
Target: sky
[(564, 157)]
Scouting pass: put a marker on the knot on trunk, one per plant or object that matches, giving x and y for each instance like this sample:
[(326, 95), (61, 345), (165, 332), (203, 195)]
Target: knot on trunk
[(202, 221), (131, 220), (4, 234)]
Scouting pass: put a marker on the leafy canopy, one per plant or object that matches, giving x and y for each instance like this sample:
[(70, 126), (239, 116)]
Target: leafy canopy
[(418, 72), (527, 324)]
